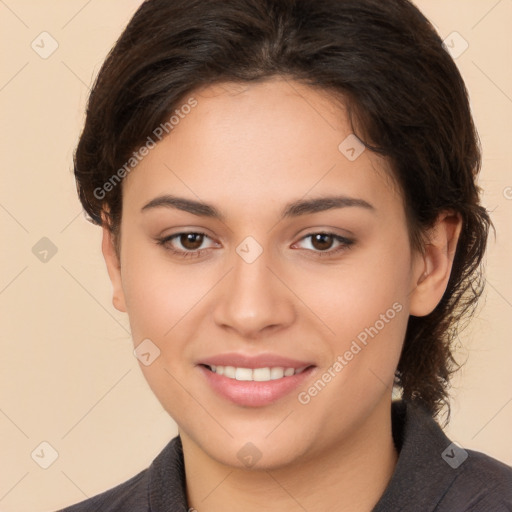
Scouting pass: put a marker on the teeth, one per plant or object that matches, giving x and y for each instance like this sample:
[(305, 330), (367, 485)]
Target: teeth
[(261, 374), (229, 371), (276, 373), (256, 374), (243, 374)]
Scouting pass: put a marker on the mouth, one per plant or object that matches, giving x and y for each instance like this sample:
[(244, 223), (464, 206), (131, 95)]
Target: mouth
[(254, 381)]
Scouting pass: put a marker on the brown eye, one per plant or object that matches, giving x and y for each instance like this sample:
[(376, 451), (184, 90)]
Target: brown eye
[(191, 241), (186, 244), (326, 244), (322, 241)]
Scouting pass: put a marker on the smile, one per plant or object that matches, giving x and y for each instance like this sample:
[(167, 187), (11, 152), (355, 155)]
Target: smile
[(255, 387), (255, 374)]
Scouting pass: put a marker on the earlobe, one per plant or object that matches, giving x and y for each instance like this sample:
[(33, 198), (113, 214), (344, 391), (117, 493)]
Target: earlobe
[(434, 265), (114, 269)]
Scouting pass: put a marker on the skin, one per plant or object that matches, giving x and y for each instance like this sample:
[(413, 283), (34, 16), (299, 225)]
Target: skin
[(249, 150)]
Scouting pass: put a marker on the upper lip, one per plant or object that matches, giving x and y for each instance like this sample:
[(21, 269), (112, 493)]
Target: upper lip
[(265, 360)]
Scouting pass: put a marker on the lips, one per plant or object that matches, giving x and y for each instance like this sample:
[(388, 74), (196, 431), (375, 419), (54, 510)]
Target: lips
[(254, 381)]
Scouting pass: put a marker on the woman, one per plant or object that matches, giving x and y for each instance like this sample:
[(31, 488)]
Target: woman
[(287, 192)]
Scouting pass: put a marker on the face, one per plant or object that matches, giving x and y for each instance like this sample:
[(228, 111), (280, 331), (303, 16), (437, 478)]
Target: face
[(269, 265)]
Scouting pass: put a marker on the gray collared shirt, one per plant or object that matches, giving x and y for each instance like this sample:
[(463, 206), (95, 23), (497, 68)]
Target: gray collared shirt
[(432, 475)]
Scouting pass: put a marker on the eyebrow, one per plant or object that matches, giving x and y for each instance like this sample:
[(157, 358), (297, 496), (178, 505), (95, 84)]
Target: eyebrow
[(293, 209)]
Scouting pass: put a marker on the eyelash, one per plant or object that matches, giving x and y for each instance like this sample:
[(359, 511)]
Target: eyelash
[(346, 243)]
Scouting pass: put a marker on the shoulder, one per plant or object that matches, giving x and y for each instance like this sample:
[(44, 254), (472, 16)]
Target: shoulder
[(158, 487), (433, 473), (130, 495), (482, 483)]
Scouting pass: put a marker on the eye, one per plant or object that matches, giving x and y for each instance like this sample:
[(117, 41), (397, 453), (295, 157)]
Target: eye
[(190, 241), (321, 243)]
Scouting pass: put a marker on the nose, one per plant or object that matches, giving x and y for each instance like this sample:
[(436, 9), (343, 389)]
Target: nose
[(253, 298)]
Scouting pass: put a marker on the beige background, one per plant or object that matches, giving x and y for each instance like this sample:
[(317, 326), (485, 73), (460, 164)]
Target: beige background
[(67, 372)]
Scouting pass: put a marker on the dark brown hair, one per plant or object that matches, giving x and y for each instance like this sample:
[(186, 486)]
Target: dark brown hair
[(402, 89)]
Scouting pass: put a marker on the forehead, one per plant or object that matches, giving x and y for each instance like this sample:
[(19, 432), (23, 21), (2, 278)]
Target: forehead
[(243, 143)]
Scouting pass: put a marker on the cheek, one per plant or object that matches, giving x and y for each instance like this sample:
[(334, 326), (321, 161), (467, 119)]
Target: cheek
[(159, 297), (360, 358), (365, 305), (159, 294), (354, 295)]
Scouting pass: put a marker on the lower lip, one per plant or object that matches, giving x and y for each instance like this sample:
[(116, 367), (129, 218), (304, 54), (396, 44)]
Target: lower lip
[(251, 393)]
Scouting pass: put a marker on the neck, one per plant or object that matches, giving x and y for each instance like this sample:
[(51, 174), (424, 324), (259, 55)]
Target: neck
[(351, 475)]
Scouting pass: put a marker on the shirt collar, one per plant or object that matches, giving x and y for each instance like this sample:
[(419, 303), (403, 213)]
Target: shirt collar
[(421, 474), (420, 470)]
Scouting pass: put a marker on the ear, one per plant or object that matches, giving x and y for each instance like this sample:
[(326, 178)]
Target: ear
[(434, 265), (113, 268)]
